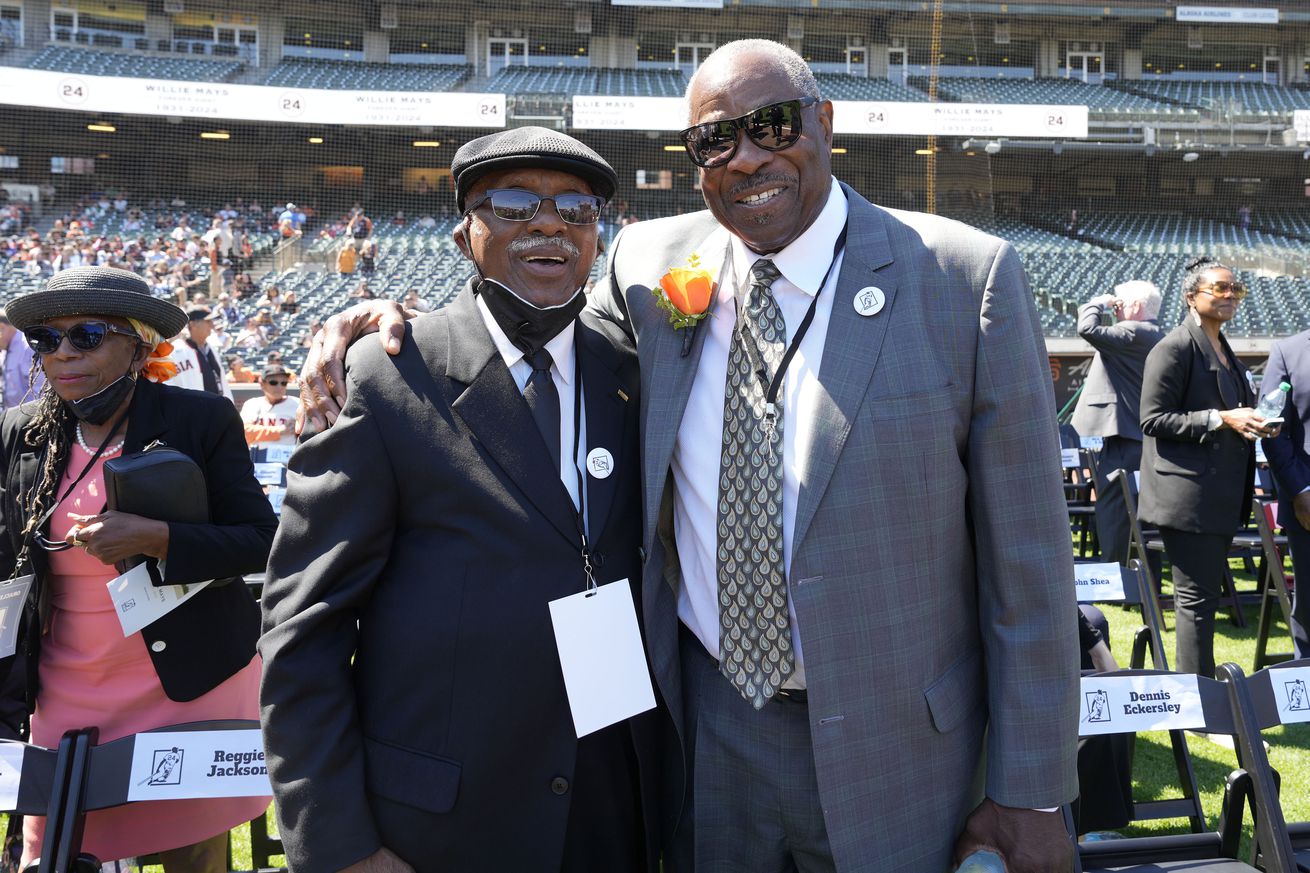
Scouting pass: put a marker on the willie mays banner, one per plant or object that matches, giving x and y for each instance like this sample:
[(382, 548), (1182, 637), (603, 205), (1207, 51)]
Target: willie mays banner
[(224, 101), (594, 112)]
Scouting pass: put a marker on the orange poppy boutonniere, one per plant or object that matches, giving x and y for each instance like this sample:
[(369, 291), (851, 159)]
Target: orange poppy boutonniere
[(685, 293)]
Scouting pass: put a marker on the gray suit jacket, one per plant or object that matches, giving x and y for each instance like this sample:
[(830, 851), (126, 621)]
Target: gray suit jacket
[(1112, 393), (931, 568)]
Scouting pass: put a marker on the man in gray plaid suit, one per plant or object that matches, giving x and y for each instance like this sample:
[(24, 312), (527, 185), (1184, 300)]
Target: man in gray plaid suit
[(928, 635), (857, 584)]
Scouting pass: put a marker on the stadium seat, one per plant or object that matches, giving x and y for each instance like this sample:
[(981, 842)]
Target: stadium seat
[(101, 63)]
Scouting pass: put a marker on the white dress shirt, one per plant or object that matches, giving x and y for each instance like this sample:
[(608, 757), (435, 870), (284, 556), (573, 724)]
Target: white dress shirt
[(563, 371), (696, 465)]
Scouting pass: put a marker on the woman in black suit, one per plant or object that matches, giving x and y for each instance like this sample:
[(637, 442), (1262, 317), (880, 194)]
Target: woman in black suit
[(1198, 456), (96, 330)]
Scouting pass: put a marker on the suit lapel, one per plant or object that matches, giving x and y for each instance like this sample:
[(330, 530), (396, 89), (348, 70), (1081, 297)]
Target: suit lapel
[(494, 410), (670, 374), (850, 351), (145, 422), (1212, 361), (606, 419)]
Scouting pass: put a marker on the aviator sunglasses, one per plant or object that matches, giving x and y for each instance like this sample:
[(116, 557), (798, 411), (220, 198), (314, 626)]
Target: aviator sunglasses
[(1223, 289), (85, 337), (515, 204), (774, 127)]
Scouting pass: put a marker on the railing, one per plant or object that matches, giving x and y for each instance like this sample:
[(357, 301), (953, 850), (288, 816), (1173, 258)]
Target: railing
[(288, 253)]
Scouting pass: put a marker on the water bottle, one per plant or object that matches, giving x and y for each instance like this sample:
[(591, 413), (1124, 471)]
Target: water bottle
[(1271, 405), (982, 861)]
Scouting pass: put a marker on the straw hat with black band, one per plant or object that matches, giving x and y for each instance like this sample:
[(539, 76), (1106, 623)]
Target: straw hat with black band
[(96, 291)]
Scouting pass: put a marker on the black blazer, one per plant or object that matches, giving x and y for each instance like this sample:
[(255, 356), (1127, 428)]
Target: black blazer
[(412, 692), (211, 636), (1193, 479)]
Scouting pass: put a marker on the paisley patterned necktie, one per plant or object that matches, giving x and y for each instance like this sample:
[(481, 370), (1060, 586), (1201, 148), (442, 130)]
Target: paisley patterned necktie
[(754, 627)]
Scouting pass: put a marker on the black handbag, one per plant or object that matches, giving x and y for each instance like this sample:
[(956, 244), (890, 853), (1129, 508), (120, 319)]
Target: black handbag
[(160, 483)]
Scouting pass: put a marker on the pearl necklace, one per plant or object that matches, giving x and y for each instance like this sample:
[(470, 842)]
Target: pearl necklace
[(109, 450)]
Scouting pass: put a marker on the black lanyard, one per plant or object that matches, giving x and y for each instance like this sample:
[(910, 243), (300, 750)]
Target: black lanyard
[(579, 513), (773, 386)]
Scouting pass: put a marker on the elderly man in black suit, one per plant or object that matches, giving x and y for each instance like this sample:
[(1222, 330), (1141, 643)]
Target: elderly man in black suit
[(414, 706), (1109, 404)]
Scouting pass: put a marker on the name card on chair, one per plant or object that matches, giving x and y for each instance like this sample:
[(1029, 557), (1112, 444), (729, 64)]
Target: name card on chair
[(11, 773), (1291, 687), (1098, 583), (1092, 443), (1113, 704), (178, 765), (1069, 458)]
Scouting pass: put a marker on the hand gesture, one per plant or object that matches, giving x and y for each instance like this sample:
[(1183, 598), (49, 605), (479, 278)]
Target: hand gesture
[(114, 536), (323, 378)]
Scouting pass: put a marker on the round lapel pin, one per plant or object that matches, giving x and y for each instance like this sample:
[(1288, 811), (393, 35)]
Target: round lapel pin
[(869, 301), (600, 463)]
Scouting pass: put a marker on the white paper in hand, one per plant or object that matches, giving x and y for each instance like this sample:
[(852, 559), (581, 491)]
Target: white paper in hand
[(137, 603), (600, 652)]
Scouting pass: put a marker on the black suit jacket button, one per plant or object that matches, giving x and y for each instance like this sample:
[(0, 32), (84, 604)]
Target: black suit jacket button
[(559, 785), (598, 559)]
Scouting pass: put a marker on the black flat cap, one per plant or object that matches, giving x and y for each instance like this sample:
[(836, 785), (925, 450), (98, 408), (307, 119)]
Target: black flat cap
[(529, 147), (96, 291)]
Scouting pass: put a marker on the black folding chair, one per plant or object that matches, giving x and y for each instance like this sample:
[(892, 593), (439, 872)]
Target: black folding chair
[(1255, 703), (1273, 584), (1201, 850), (1150, 636)]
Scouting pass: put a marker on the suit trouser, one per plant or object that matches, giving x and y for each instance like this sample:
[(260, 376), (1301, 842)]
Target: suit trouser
[(1112, 529), (1200, 562), (753, 804), (1298, 538), (1117, 453)]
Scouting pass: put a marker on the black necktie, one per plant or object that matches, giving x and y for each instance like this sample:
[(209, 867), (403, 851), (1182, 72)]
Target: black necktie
[(543, 400)]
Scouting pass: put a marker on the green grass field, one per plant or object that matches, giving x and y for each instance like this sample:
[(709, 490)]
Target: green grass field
[(1154, 775)]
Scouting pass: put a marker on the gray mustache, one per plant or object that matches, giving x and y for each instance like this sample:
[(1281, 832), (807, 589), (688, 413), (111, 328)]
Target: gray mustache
[(523, 244), (760, 179)]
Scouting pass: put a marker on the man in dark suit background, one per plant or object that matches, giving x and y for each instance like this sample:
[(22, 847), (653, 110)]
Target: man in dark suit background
[(1111, 397), (1289, 459), (414, 709)]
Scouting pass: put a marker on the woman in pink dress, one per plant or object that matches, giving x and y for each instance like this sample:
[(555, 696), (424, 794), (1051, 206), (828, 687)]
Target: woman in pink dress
[(96, 331)]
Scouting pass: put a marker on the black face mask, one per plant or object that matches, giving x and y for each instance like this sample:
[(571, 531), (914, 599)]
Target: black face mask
[(528, 327), (99, 407)]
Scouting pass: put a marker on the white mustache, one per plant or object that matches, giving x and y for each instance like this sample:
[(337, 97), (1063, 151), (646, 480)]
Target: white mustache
[(530, 243)]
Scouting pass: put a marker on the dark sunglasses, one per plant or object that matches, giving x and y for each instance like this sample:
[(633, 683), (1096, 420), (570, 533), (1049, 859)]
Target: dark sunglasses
[(515, 204), (85, 337), (276, 382), (774, 127), (1223, 289)]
